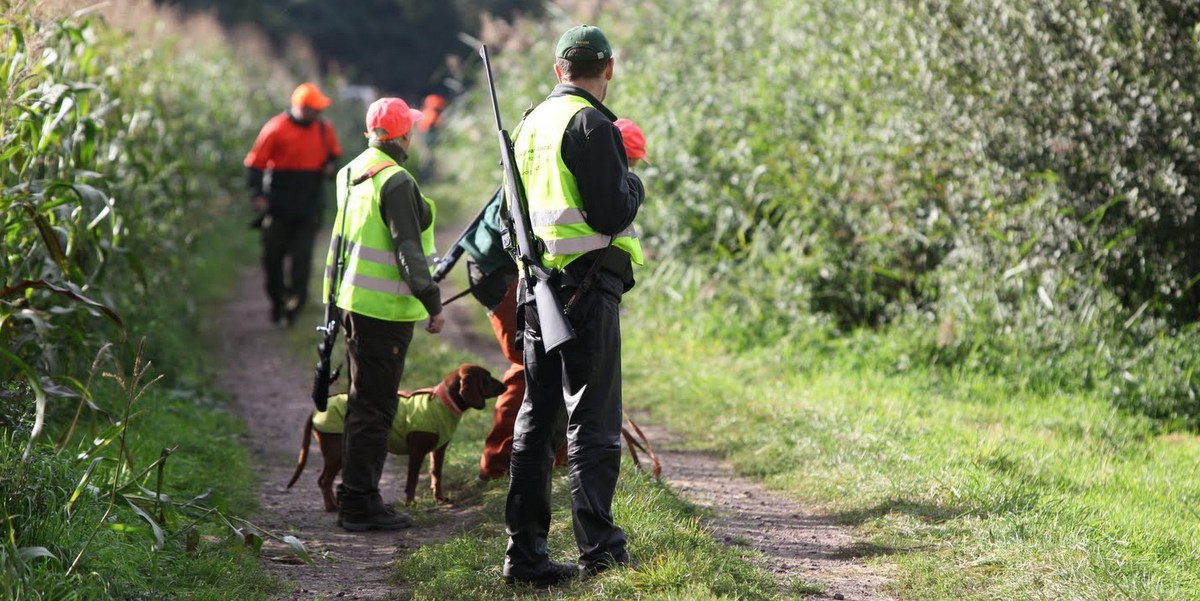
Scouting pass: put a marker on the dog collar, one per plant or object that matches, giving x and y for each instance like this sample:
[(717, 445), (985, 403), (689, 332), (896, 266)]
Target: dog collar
[(444, 395)]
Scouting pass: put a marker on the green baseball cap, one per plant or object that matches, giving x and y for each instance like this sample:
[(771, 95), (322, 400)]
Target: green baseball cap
[(583, 43)]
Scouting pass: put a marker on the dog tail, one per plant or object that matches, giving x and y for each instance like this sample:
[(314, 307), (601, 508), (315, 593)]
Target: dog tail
[(641, 442), (303, 459)]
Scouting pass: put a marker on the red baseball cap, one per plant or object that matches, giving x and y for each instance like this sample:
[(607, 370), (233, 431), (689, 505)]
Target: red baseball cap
[(393, 116), (635, 141), (309, 95)]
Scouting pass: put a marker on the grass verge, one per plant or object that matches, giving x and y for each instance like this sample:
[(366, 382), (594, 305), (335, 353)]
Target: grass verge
[(981, 488), (204, 481)]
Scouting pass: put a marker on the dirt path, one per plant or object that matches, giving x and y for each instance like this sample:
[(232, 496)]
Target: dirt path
[(271, 389)]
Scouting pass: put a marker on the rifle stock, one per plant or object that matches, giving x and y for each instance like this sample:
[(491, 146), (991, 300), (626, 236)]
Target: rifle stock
[(554, 327), (324, 374)]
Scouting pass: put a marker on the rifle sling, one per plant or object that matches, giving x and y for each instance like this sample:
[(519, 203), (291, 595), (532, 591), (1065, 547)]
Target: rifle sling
[(588, 279), (339, 260), (372, 170), (340, 264)]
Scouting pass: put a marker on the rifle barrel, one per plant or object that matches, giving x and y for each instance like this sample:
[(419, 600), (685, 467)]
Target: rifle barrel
[(554, 327)]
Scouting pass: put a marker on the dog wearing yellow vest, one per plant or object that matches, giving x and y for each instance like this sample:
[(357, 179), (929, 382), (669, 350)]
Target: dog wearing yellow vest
[(425, 422)]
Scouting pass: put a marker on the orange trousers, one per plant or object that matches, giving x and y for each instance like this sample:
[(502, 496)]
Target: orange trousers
[(497, 447)]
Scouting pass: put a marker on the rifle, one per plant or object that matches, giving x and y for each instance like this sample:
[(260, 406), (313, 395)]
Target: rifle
[(323, 377), (446, 263), (555, 329)]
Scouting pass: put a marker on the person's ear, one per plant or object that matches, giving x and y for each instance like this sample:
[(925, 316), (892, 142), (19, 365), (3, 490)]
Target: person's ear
[(558, 73), (608, 71)]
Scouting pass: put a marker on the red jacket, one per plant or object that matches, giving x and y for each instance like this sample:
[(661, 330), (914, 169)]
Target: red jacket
[(295, 154)]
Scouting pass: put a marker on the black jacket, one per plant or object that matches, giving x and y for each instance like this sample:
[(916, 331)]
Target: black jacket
[(593, 152)]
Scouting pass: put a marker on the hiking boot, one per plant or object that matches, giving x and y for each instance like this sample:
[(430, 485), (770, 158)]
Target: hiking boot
[(388, 519), (556, 572), (276, 313)]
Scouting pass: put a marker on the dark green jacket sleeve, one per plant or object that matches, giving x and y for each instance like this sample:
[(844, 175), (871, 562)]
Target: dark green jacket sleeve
[(406, 215)]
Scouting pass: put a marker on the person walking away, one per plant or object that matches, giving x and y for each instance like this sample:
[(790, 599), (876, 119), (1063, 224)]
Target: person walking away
[(582, 203), (431, 110), (384, 228), (285, 169)]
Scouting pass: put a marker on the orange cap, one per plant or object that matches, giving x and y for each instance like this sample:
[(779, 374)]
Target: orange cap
[(309, 95), (435, 101), (393, 116), (635, 141)]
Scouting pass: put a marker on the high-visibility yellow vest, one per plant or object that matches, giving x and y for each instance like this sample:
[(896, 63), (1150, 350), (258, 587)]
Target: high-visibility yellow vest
[(555, 205), (371, 284)]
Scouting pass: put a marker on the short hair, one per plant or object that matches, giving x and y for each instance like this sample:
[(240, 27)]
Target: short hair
[(572, 70)]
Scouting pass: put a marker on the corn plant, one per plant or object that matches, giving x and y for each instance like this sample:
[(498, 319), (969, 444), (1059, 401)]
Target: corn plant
[(117, 150)]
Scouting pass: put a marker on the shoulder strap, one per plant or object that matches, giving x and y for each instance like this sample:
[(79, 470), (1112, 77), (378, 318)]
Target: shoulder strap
[(372, 171)]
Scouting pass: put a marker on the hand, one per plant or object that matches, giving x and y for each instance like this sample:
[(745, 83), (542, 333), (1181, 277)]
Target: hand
[(260, 204), (436, 322), (328, 171)]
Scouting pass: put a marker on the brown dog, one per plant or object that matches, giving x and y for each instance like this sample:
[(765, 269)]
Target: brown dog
[(425, 422)]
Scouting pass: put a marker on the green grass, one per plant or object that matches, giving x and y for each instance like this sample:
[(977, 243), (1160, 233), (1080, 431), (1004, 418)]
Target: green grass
[(980, 488), (678, 558), (182, 413)]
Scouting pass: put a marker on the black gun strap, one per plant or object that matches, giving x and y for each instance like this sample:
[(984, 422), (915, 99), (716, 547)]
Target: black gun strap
[(339, 261), (588, 279)]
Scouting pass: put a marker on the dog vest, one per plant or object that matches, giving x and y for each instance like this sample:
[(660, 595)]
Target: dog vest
[(426, 410)]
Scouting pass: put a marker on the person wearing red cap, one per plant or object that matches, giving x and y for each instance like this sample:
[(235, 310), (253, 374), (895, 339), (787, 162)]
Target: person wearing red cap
[(294, 153), (582, 200), (384, 231), (633, 140), (492, 275), (432, 111)]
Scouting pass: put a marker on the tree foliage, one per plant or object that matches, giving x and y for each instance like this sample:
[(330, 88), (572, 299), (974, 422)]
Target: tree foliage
[(398, 45)]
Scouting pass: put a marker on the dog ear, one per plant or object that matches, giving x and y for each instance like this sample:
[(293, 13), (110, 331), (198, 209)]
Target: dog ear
[(472, 385), (495, 387)]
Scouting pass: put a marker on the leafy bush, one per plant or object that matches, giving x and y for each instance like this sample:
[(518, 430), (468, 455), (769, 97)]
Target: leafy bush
[(1003, 186)]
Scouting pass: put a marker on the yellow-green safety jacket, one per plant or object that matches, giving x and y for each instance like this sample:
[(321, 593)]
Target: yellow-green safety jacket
[(371, 284), (555, 205)]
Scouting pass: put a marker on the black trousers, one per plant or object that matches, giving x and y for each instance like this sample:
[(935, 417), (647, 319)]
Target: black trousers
[(376, 350), (582, 380), (291, 241)]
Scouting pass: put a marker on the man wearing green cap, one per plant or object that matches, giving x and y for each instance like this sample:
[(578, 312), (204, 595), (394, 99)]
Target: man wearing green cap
[(582, 203)]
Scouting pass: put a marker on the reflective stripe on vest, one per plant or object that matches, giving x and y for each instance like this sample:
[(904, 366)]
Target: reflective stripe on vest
[(555, 204), (371, 284)]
